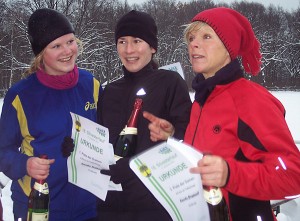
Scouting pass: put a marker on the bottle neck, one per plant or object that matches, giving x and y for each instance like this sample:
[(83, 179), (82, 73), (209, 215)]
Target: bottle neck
[(41, 187), (208, 188), (42, 156), (40, 181), (132, 122)]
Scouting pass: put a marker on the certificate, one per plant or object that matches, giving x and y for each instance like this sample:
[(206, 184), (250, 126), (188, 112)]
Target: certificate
[(92, 153), (164, 169)]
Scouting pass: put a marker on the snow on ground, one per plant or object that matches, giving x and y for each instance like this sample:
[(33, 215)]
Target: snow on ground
[(289, 211), (291, 102)]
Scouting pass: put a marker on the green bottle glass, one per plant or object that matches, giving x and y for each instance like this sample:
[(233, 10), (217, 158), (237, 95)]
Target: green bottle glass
[(126, 143), (38, 202)]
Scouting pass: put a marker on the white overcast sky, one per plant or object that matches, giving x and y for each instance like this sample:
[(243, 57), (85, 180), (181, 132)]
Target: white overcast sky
[(285, 4)]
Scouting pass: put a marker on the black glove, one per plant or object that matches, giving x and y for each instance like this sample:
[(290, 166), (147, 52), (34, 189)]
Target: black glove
[(120, 172), (67, 146), (135, 193)]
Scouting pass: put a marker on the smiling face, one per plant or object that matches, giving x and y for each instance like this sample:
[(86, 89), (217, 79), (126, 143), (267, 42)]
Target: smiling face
[(60, 55), (207, 53), (134, 53)]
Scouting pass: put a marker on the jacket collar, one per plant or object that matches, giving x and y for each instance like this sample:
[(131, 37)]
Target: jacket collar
[(148, 69), (203, 87)]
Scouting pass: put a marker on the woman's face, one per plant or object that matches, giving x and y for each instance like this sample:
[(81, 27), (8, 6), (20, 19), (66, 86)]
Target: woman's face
[(134, 53), (207, 53), (60, 55)]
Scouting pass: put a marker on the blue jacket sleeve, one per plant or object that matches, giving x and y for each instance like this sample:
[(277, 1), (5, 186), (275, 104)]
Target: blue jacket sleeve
[(12, 161)]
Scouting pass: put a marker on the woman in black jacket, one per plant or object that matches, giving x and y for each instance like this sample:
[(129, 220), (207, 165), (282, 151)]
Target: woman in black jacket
[(166, 96)]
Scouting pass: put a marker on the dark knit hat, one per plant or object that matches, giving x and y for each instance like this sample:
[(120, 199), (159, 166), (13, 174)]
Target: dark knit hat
[(44, 26), (137, 24), (236, 33)]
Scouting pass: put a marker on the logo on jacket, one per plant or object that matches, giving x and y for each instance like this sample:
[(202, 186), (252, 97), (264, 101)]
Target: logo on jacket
[(90, 106), (217, 129)]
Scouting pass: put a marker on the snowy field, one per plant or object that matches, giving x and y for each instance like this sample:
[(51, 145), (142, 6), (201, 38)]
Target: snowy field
[(289, 211)]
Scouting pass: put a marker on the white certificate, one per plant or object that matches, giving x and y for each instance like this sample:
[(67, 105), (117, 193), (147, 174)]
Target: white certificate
[(164, 169), (92, 152)]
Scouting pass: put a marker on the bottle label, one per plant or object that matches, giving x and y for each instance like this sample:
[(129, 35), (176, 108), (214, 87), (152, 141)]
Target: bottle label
[(40, 216), (42, 188), (213, 195), (129, 130), (117, 157)]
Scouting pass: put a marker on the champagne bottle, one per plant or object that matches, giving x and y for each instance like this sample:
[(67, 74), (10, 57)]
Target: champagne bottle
[(126, 143), (38, 203), (217, 206)]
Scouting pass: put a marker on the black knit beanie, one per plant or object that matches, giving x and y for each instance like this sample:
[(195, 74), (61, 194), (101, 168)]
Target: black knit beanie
[(137, 24), (44, 26)]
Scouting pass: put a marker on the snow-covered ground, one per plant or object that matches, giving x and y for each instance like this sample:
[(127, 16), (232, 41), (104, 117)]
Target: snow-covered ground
[(289, 211)]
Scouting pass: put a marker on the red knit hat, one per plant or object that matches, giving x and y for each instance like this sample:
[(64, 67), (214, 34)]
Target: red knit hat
[(236, 33)]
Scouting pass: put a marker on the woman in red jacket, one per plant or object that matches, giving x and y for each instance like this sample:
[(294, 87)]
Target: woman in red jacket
[(251, 154)]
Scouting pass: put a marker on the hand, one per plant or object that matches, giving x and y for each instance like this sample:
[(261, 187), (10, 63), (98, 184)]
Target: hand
[(119, 172), (213, 170), (136, 193), (38, 168), (160, 129), (67, 146)]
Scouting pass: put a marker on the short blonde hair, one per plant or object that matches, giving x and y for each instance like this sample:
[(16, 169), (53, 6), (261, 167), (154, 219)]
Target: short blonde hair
[(194, 26)]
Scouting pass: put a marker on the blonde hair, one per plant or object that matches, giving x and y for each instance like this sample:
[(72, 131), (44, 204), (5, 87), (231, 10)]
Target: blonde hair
[(37, 62), (194, 26)]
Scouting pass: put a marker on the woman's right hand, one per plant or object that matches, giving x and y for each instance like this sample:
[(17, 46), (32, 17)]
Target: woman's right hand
[(160, 129), (38, 168)]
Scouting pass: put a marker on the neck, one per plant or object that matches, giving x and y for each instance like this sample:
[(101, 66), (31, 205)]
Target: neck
[(60, 82)]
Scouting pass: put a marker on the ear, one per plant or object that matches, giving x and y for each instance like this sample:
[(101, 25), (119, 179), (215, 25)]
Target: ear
[(153, 51)]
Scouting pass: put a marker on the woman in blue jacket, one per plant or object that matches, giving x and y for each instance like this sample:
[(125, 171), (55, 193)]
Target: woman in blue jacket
[(36, 118)]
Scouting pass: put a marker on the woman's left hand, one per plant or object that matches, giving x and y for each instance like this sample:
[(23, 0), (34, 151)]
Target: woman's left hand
[(213, 170)]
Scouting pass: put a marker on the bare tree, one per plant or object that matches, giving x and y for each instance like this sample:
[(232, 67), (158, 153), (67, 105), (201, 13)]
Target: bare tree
[(94, 22)]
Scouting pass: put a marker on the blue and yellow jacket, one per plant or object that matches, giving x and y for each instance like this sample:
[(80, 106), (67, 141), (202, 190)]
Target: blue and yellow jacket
[(34, 121)]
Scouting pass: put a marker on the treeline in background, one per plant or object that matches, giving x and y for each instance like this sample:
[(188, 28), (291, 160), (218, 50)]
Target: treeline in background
[(278, 31)]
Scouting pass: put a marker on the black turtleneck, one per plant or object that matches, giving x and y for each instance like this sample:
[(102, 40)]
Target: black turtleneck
[(203, 87), (145, 70)]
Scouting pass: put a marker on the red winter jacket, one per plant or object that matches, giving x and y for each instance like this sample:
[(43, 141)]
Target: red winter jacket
[(243, 123)]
